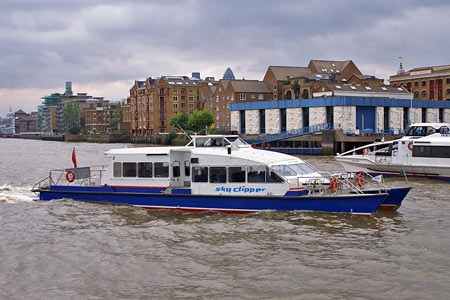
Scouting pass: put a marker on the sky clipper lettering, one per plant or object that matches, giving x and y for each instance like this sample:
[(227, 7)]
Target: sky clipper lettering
[(241, 189)]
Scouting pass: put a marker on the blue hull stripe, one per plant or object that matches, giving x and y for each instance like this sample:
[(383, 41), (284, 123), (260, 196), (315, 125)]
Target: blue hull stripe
[(360, 204)]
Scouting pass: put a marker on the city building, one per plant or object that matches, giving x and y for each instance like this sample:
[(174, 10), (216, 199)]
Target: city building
[(50, 113), (23, 122), (427, 83), (354, 109), (230, 91), (154, 102)]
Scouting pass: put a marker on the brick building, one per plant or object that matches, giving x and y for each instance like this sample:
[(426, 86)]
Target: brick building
[(426, 83)]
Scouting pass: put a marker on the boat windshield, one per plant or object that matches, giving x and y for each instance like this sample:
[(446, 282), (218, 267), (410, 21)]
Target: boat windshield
[(235, 140), (420, 131), (294, 170)]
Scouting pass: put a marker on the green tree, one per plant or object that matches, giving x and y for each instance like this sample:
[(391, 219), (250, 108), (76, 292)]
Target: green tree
[(171, 137), (71, 114), (199, 121), (181, 119)]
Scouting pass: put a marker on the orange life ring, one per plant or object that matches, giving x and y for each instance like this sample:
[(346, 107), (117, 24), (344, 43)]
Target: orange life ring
[(410, 146), (263, 145), (268, 145), (360, 180), (334, 185), (70, 176)]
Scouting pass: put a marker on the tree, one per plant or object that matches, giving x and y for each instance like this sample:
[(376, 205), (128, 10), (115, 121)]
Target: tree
[(181, 120), (199, 121), (71, 114)]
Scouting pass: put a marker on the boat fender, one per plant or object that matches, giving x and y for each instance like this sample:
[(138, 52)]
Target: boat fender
[(366, 152), (70, 176), (253, 145), (268, 145), (263, 145), (334, 185), (410, 146), (360, 180)]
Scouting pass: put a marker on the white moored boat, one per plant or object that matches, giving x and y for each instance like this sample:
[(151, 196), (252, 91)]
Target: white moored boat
[(220, 173), (424, 151)]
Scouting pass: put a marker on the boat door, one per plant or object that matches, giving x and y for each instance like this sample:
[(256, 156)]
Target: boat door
[(403, 153), (180, 175)]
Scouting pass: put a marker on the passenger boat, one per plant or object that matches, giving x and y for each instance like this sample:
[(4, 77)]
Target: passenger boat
[(214, 172), (424, 151)]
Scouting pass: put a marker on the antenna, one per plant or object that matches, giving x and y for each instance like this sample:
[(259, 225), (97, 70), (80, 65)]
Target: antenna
[(189, 137)]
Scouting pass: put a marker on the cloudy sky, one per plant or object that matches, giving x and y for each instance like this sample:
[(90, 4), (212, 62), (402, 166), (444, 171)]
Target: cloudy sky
[(103, 46)]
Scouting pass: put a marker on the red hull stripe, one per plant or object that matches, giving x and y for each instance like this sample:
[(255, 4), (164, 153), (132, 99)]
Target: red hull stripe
[(297, 188), (200, 209), (222, 210)]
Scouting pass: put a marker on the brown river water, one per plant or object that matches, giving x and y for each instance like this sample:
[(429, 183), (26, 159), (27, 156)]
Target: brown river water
[(65, 249)]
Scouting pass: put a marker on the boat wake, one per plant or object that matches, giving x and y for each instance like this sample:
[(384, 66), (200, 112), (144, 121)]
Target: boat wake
[(13, 194)]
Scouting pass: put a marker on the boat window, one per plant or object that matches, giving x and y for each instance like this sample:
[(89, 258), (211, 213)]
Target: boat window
[(236, 174), (129, 169), (444, 130), (176, 169), (209, 142), (161, 169), (145, 169), (117, 169), (294, 170), (272, 176), (217, 174), (256, 174), (421, 131), (200, 174), (187, 168), (431, 151)]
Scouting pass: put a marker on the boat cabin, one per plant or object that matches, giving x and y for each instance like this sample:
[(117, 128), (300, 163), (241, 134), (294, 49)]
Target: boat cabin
[(213, 164)]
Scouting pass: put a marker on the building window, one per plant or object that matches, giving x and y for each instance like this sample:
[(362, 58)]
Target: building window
[(447, 92), (416, 84), (386, 118), (175, 106), (175, 91), (175, 98), (242, 121), (416, 94), (283, 119), (275, 96), (260, 96), (262, 121), (191, 99), (424, 83), (424, 93), (243, 96), (232, 97), (275, 87), (253, 96), (191, 105)]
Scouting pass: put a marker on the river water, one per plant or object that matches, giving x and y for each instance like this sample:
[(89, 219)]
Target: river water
[(65, 249)]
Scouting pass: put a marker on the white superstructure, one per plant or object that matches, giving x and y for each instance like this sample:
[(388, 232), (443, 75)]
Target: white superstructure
[(209, 165)]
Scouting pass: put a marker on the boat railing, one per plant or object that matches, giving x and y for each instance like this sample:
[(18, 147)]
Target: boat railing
[(84, 176)]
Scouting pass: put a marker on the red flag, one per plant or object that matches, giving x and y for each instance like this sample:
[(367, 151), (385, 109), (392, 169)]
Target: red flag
[(74, 158)]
